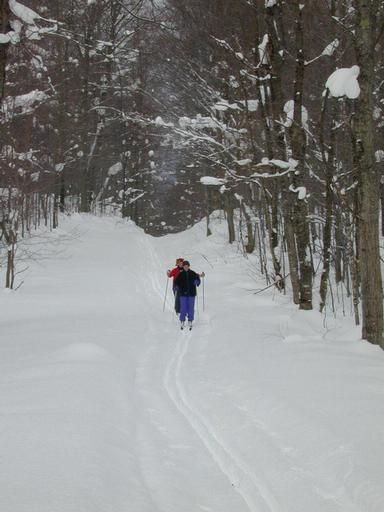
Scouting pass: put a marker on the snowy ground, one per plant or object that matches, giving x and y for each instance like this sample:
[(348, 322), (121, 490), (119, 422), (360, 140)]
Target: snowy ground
[(105, 405)]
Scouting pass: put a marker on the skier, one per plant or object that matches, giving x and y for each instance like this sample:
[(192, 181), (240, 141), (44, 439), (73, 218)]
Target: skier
[(174, 273), (186, 283)]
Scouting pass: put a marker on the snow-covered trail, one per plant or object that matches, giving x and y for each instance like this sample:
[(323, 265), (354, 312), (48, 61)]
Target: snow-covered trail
[(106, 405)]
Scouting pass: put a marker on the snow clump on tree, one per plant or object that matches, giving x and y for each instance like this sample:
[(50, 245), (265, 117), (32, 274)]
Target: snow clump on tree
[(343, 82)]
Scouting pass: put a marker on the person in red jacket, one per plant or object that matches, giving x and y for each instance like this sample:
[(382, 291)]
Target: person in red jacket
[(174, 273)]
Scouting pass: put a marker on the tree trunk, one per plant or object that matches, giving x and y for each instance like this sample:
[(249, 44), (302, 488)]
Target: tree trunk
[(369, 183), (4, 28), (328, 161), (208, 209), (229, 211), (298, 141)]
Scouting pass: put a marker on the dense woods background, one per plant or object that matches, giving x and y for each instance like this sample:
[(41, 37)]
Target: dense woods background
[(164, 111)]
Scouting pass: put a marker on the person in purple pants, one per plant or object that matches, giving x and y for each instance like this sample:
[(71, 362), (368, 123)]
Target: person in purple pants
[(186, 283)]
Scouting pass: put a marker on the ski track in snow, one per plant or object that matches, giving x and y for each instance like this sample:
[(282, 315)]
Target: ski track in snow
[(255, 493), (273, 454), (253, 490)]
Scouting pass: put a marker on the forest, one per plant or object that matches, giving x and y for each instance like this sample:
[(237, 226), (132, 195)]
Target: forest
[(164, 111)]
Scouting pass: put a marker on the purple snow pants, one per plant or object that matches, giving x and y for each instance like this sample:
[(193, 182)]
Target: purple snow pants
[(187, 308)]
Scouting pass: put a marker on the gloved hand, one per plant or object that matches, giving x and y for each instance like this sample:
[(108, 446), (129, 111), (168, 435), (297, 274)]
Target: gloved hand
[(168, 273), (202, 274)]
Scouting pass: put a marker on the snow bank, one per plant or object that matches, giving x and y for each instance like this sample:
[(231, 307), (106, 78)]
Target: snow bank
[(106, 405)]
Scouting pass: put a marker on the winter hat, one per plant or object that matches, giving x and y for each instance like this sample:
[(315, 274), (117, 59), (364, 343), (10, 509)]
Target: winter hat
[(186, 263)]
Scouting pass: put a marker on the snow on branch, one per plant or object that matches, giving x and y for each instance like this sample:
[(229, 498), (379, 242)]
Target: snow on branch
[(22, 104), (300, 191), (115, 169), (283, 166), (25, 14), (328, 51), (263, 50), (26, 17), (212, 181), (239, 105), (343, 82), (289, 109), (199, 123)]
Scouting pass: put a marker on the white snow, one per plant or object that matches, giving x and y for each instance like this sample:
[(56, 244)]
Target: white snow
[(251, 105), (224, 105), (159, 121), (115, 169), (105, 405), (23, 102), (5, 38), (343, 82), (26, 14), (282, 164), (263, 54), (289, 109), (211, 180), (244, 161), (198, 123), (379, 154), (300, 191), (330, 49)]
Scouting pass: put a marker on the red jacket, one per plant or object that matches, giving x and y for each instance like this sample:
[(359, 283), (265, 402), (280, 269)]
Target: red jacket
[(175, 272)]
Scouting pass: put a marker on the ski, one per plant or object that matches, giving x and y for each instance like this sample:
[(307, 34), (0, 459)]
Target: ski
[(182, 325)]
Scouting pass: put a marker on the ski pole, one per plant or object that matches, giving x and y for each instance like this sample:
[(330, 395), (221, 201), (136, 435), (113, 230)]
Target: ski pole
[(197, 306), (203, 295), (165, 296)]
